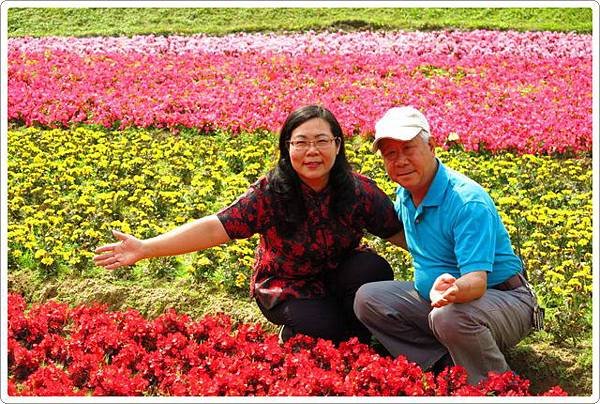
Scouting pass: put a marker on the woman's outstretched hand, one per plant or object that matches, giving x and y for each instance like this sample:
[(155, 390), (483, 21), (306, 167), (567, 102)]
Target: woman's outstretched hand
[(127, 251)]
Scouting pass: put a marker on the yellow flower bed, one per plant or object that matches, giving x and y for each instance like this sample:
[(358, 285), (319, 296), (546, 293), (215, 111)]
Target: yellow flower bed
[(69, 188)]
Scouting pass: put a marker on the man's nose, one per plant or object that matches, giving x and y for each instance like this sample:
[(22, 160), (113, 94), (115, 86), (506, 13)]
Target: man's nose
[(401, 160)]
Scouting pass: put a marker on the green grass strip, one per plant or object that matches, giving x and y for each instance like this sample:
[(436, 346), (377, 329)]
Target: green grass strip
[(219, 21)]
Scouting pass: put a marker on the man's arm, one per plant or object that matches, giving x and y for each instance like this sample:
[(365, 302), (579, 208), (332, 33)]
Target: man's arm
[(447, 289), (398, 239)]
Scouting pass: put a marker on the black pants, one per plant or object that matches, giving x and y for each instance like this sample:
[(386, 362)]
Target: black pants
[(332, 317)]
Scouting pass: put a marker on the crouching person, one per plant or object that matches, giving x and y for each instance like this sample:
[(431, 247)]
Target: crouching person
[(469, 299)]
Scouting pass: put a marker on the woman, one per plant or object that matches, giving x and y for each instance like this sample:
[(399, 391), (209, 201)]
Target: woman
[(310, 211)]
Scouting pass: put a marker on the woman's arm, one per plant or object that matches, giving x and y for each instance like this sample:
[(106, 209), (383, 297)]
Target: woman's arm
[(194, 236)]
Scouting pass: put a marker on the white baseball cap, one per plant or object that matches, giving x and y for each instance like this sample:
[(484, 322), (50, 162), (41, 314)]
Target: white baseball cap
[(400, 123)]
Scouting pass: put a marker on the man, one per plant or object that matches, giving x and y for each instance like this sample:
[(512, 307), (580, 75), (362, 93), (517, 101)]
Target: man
[(469, 297)]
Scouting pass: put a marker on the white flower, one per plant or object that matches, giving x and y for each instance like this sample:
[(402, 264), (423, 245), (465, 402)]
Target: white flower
[(453, 137)]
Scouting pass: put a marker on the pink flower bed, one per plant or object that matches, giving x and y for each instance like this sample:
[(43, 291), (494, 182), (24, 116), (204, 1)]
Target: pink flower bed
[(413, 43), (54, 350), (500, 91)]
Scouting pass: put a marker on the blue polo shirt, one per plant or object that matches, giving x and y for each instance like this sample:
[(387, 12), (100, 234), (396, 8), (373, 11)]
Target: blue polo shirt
[(456, 229)]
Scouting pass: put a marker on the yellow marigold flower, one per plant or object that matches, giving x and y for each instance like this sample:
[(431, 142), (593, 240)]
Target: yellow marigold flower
[(240, 280), (39, 254)]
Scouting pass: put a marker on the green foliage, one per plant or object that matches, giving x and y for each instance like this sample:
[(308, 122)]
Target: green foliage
[(226, 267), (219, 21), (547, 364)]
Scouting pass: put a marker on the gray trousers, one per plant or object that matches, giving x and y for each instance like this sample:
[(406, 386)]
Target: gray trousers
[(473, 333)]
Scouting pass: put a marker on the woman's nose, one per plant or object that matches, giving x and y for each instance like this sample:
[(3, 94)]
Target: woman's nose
[(312, 148)]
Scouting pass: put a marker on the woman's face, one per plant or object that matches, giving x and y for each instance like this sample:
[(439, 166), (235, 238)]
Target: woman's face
[(313, 150)]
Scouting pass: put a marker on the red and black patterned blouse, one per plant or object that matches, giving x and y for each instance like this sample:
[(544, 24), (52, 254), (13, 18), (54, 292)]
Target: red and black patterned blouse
[(294, 267)]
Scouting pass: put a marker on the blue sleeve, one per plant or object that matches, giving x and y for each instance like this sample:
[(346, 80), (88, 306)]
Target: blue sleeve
[(474, 234)]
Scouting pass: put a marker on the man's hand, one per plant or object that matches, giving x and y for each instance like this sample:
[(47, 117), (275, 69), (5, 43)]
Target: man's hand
[(443, 291), (447, 289)]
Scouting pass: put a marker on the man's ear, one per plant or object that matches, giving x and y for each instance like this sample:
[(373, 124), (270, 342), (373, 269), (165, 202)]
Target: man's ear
[(431, 143)]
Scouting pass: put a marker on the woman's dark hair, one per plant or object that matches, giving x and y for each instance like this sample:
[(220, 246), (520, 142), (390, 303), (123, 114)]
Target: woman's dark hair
[(285, 183)]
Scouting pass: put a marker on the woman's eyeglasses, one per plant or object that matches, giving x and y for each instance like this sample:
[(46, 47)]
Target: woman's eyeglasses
[(304, 145)]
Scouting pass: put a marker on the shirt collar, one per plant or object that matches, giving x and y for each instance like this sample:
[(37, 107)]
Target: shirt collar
[(312, 194), (435, 193)]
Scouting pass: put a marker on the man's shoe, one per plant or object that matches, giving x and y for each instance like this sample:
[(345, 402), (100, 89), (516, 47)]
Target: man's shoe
[(380, 349), (442, 364)]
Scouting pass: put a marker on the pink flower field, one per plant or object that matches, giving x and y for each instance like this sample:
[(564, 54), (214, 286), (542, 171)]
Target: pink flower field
[(523, 92)]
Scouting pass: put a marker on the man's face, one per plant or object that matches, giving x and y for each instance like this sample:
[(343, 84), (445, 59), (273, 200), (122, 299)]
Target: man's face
[(410, 163)]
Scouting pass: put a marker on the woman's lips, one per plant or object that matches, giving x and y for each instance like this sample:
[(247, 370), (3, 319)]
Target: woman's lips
[(313, 164)]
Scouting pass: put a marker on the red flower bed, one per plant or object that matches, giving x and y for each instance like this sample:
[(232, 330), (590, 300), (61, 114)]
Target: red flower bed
[(54, 350)]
